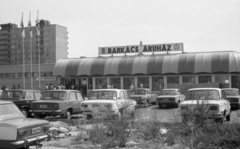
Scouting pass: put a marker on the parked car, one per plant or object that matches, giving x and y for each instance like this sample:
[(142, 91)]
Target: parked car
[(171, 96), (17, 131), (143, 96), (211, 102), (22, 98), (233, 97), (104, 102), (58, 102)]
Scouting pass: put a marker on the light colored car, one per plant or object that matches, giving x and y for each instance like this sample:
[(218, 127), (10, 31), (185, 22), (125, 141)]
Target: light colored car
[(171, 96), (143, 96), (211, 102), (233, 97), (58, 102), (17, 131), (108, 102)]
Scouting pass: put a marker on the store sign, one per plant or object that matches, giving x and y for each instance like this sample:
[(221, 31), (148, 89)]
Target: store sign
[(141, 48), (46, 79)]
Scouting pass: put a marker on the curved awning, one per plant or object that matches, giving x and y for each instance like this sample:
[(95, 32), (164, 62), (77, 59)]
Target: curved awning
[(187, 63)]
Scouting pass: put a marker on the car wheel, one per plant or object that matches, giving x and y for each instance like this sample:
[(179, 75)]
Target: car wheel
[(25, 112), (228, 118), (68, 114)]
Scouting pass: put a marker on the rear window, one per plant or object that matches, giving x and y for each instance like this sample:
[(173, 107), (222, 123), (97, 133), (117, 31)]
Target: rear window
[(12, 94), (54, 96), (203, 95), (231, 92)]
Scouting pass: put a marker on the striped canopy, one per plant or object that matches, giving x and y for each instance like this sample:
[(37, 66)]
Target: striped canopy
[(187, 63)]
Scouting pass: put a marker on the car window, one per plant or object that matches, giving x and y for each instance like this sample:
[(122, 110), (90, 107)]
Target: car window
[(223, 94), (12, 94), (29, 96), (112, 95), (79, 96), (231, 92), (37, 95), (9, 111), (203, 95), (50, 95), (121, 95), (72, 96)]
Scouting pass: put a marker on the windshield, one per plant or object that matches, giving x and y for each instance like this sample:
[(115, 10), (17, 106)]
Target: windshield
[(168, 92), (12, 94), (139, 92), (203, 95), (231, 92), (54, 96), (103, 95), (9, 111)]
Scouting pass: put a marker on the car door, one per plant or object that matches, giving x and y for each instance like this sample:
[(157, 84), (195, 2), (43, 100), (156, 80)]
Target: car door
[(80, 99), (120, 100), (74, 102), (226, 102)]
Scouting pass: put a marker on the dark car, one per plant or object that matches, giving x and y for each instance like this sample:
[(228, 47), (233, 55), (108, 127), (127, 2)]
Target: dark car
[(58, 102), (22, 98), (17, 131), (233, 97)]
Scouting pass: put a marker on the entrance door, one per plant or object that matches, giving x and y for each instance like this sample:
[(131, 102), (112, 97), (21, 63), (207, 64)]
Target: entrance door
[(84, 86), (235, 81)]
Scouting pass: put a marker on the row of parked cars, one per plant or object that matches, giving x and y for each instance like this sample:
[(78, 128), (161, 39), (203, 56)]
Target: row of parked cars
[(18, 131)]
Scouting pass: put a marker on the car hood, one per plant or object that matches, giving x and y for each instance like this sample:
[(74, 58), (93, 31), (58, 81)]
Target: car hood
[(99, 101), (47, 101), (195, 102), (167, 96), (23, 122)]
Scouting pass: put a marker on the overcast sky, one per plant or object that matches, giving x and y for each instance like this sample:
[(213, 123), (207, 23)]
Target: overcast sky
[(201, 25)]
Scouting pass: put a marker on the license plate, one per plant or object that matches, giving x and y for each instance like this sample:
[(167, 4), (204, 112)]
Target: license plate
[(36, 130), (43, 106)]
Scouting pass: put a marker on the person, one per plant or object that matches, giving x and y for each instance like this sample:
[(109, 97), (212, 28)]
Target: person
[(19, 87), (131, 87), (115, 86), (47, 87), (109, 86), (14, 87), (141, 85)]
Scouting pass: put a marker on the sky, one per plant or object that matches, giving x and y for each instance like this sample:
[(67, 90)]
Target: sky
[(201, 25)]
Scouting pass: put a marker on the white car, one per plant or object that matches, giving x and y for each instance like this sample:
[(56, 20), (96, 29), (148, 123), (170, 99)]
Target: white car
[(108, 102), (212, 102)]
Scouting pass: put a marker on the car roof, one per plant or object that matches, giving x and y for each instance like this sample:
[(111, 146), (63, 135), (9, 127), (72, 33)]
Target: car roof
[(61, 90), (171, 89), (229, 89), (4, 102), (211, 88), (21, 90), (109, 90)]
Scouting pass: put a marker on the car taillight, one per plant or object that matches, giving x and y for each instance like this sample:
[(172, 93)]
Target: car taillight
[(213, 108), (22, 133)]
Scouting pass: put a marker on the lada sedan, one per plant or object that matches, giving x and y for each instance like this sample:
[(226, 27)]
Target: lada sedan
[(17, 131), (58, 102), (209, 102), (233, 97), (22, 98), (104, 102), (143, 96), (172, 97)]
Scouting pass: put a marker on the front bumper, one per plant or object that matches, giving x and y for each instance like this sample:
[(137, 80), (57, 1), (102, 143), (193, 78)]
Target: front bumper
[(31, 141), (47, 112)]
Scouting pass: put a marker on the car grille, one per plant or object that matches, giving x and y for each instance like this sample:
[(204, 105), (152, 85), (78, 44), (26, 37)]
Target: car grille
[(233, 99)]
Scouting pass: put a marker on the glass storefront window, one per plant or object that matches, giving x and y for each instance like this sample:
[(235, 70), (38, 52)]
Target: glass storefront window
[(116, 82), (90, 83), (173, 79), (157, 83), (188, 79), (101, 83), (205, 79), (127, 82), (144, 81), (222, 78)]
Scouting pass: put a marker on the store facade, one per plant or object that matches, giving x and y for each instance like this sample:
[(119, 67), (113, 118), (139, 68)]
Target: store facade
[(155, 71)]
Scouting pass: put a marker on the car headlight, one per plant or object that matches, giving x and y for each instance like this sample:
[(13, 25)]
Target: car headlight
[(22, 133)]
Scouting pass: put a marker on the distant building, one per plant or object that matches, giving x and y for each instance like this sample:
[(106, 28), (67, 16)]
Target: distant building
[(52, 44)]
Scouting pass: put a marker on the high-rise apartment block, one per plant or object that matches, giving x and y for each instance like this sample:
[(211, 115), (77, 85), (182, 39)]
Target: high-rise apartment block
[(51, 44)]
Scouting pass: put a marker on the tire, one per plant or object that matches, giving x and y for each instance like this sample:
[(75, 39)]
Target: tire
[(228, 118), (25, 112), (68, 114), (160, 105)]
